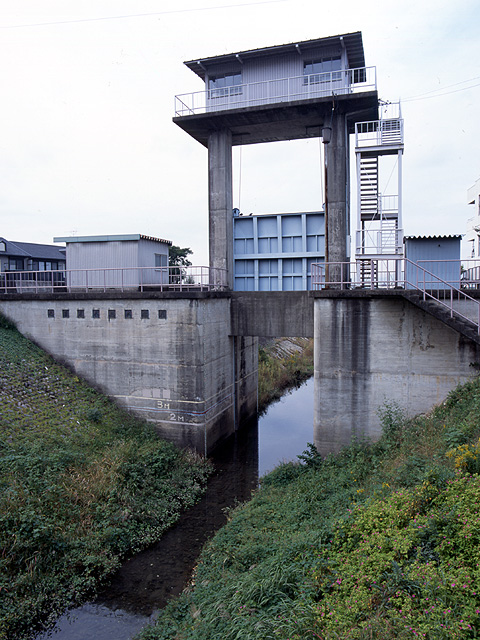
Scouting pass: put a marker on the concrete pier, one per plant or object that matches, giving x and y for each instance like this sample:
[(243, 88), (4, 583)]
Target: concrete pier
[(220, 202), (375, 349), (337, 217)]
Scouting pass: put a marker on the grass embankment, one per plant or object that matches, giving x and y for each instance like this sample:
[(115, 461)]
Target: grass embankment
[(82, 484), (283, 364), (378, 542)]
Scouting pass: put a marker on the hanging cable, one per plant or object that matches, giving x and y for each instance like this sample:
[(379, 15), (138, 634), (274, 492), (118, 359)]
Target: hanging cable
[(322, 192), (239, 178), (140, 15)]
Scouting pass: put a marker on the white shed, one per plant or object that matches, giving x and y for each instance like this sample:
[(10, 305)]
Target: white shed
[(116, 260)]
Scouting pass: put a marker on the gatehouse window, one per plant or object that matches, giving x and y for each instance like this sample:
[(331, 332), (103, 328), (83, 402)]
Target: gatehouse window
[(322, 70), (226, 84)]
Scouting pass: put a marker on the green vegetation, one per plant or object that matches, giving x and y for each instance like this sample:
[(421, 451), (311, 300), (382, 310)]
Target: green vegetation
[(82, 484), (280, 370), (381, 541), (178, 257)]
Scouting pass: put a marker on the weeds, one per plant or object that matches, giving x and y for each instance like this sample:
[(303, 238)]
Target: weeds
[(278, 372), (82, 484), (379, 542)]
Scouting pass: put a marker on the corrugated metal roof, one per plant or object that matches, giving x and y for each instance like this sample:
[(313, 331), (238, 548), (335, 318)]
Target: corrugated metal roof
[(450, 237), (33, 250), (353, 43), (113, 238)]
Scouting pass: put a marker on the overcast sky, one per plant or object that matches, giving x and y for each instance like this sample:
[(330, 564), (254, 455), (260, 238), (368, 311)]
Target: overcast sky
[(88, 146)]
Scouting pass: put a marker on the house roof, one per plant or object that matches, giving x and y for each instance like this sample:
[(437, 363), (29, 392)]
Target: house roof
[(113, 238), (32, 250), (352, 41)]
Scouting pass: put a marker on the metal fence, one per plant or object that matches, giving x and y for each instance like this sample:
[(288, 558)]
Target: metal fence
[(118, 279)]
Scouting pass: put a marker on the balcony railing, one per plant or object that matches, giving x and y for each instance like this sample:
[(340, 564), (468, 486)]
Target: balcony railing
[(376, 133), (305, 87), (120, 279)]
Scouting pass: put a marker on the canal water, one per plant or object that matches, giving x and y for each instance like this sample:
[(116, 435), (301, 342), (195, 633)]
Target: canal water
[(144, 583)]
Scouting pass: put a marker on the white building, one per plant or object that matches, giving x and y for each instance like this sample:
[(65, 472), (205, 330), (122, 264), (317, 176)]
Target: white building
[(116, 260), (471, 240)]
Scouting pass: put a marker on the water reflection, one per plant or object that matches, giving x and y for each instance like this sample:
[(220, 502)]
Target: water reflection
[(145, 582), (286, 428)]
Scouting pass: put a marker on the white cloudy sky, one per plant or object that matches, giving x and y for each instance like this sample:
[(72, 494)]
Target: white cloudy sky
[(87, 143)]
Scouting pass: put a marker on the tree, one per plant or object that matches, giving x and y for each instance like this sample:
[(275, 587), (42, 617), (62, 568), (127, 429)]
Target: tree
[(177, 257)]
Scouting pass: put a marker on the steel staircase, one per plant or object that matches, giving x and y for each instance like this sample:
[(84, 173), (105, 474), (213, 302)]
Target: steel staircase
[(369, 209), (379, 216)]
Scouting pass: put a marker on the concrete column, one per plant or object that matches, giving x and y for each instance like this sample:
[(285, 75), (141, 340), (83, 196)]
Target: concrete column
[(220, 201), (336, 197)]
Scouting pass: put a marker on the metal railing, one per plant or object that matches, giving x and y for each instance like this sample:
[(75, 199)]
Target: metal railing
[(378, 239), (252, 94), (121, 279), (376, 133), (396, 274)]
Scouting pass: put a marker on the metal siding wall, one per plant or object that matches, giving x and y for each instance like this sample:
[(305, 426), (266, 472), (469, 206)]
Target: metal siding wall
[(102, 255), (273, 68), (146, 258), (147, 250), (276, 67), (429, 252)]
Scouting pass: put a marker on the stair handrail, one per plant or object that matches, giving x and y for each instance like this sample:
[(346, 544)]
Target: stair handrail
[(448, 286), (320, 280)]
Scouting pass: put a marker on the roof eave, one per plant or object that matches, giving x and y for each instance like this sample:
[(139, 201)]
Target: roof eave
[(353, 43)]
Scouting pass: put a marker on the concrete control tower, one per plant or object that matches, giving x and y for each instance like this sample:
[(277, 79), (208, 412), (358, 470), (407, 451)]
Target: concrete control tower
[(316, 88)]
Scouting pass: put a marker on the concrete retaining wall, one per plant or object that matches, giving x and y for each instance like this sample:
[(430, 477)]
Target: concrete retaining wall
[(369, 351), (172, 361)]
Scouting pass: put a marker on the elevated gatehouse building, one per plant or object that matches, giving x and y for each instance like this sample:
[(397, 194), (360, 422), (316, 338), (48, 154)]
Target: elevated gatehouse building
[(313, 89)]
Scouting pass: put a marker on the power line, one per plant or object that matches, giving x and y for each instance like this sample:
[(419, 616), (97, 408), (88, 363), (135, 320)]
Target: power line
[(139, 15), (425, 96)]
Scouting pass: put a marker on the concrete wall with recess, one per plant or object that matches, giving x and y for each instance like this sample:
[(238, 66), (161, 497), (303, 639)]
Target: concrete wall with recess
[(368, 351), (272, 314), (175, 368), (246, 377)]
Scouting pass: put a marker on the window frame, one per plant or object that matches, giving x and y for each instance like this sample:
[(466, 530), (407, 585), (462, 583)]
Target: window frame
[(227, 89), (321, 74)]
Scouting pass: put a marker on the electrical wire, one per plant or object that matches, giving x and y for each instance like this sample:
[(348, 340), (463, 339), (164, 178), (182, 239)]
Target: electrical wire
[(139, 15), (446, 93), (420, 95)]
